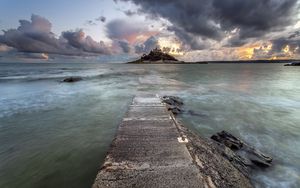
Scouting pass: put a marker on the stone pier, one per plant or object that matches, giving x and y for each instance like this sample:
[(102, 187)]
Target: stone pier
[(149, 150)]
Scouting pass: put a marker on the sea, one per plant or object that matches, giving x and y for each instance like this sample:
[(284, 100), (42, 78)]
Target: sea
[(56, 135)]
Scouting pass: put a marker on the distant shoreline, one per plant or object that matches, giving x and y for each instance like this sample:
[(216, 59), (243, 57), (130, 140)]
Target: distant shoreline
[(216, 62), (164, 62)]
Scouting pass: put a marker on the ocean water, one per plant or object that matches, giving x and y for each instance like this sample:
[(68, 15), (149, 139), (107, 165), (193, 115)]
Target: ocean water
[(55, 134)]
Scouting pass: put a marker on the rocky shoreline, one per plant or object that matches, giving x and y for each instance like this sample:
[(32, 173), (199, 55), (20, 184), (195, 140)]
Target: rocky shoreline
[(154, 149), (228, 160)]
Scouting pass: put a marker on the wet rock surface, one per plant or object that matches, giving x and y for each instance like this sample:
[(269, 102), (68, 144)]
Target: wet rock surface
[(72, 79), (176, 106), (209, 156), (173, 104), (241, 154)]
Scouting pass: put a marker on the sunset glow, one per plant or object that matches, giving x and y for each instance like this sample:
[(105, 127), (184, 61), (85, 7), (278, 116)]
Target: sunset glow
[(172, 46)]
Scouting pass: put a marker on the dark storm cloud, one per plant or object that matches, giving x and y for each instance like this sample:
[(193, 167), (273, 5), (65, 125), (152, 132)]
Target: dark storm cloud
[(236, 41), (189, 41), (213, 19), (122, 29), (294, 35), (78, 40), (35, 36), (125, 46), (125, 34), (279, 45), (147, 46)]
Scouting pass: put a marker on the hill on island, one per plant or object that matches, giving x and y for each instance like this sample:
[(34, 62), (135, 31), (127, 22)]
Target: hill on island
[(156, 56)]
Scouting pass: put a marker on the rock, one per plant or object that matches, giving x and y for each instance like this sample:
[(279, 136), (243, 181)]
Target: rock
[(217, 161), (228, 140), (72, 79), (260, 163), (172, 100), (174, 104), (174, 109), (293, 64), (245, 155)]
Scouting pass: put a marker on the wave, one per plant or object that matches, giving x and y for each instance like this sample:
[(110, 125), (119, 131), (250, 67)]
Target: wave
[(84, 76)]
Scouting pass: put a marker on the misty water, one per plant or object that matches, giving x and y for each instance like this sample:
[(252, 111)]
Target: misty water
[(55, 134)]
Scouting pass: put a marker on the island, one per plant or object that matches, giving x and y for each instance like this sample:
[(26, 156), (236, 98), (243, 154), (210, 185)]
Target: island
[(157, 56)]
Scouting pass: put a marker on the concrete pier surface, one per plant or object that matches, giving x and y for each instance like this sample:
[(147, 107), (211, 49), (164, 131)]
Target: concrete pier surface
[(150, 150)]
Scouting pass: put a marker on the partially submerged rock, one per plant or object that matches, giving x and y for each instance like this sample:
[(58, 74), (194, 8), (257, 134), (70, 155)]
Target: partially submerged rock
[(174, 104), (241, 155), (228, 140), (228, 161), (245, 155), (72, 79), (211, 161), (172, 100)]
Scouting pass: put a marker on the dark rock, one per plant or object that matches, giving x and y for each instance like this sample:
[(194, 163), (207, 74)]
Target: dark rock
[(174, 109), (224, 166), (72, 79), (245, 155), (228, 140), (174, 104), (241, 163), (172, 100), (260, 163), (293, 64)]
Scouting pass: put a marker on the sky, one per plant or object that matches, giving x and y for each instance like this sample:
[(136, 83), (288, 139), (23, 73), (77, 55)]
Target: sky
[(121, 30)]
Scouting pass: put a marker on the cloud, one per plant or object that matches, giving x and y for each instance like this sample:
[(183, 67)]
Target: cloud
[(281, 47), (132, 32), (90, 23), (78, 41), (40, 56), (5, 48), (147, 46), (130, 13), (188, 40), (101, 19), (94, 22), (35, 36), (125, 46), (294, 35), (198, 20), (132, 37)]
